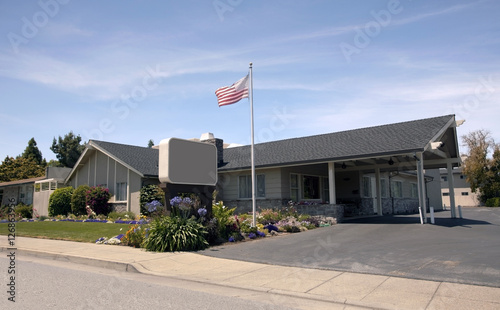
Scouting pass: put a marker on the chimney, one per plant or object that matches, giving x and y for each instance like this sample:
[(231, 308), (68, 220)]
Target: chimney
[(219, 144)]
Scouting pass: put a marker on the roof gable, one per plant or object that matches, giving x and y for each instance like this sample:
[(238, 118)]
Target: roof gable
[(143, 160)]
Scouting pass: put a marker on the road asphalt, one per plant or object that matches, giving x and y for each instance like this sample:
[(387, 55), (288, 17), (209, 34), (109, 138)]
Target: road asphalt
[(342, 289)]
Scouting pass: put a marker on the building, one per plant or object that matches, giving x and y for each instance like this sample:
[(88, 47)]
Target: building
[(463, 194), (369, 170), (374, 170), (24, 191)]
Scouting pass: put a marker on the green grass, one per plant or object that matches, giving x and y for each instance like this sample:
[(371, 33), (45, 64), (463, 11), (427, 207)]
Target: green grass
[(73, 231)]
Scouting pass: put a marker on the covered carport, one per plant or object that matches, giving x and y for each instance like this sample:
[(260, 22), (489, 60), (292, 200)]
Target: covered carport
[(410, 146)]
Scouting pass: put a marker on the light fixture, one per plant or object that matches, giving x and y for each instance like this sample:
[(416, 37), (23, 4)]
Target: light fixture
[(344, 166), (390, 162)]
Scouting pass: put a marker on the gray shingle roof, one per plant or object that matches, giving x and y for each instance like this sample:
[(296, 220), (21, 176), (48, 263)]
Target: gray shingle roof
[(142, 159), (412, 136)]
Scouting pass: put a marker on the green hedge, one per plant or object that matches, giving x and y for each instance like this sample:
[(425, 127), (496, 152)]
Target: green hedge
[(493, 202), (60, 201), (78, 200)]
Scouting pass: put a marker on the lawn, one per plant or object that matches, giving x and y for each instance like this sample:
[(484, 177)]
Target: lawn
[(73, 231)]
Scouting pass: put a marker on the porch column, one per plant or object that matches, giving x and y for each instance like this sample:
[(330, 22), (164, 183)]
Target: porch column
[(331, 183), (422, 203), (451, 185), (379, 192)]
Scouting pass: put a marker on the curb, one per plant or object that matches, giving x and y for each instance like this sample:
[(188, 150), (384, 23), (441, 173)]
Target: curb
[(138, 268)]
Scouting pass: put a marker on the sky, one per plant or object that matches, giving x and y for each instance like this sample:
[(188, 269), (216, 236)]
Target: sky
[(131, 71)]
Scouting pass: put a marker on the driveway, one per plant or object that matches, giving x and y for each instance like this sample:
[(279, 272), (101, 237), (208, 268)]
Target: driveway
[(456, 250)]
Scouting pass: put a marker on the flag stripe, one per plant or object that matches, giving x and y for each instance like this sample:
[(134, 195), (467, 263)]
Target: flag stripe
[(231, 94)]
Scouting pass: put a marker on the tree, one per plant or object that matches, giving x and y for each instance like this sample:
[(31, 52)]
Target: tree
[(20, 168), (67, 149), (481, 171), (151, 143), (33, 152)]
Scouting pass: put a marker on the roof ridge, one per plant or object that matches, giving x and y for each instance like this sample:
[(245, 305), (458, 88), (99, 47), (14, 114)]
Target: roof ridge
[(348, 130)]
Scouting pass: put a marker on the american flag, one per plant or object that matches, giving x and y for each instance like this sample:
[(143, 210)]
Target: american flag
[(231, 94)]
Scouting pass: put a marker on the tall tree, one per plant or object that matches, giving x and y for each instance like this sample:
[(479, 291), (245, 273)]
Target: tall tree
[(67, 149), (482, 172), (151, 143), (20, 168), (33, 152)]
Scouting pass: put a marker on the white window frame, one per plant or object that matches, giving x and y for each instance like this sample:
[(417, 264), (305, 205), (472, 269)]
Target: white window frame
[(121, 190), (260, 190), (397, 189)]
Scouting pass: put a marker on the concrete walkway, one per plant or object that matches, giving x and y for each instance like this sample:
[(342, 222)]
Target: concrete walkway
[(342, 289)]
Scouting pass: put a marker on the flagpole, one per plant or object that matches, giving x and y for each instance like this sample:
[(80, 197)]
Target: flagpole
[(250, 93)]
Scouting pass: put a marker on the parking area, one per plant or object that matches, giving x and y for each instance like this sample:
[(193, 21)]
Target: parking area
[(456, 250)]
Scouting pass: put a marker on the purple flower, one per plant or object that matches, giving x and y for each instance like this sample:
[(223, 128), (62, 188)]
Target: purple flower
[(261, 234), (252, 235), (120, 236), (231, 239), (271, 228), (202, 212)]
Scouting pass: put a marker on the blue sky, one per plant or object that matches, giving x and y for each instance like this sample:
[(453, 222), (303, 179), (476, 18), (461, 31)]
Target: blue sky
[(130, 71)]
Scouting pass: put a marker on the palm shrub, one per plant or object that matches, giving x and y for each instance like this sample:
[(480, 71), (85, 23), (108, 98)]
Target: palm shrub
[(176, 233), (224, 218), (78, 200), (60, 201), (97, 198)]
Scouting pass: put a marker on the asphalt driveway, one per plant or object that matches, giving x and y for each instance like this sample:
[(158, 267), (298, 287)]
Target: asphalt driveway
[(456, 250)]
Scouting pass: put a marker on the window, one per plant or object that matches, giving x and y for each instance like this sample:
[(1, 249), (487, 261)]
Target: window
[(383, 188), (367, 187), (397, 189), (53, 185), (1, 196), (311, 189), (414, 190), (37, 187), (465, 193), (444, 179), (45, 186), (294, 187), (121, 191), (462, 176), (245, 186), (326, 189), (446, 194)]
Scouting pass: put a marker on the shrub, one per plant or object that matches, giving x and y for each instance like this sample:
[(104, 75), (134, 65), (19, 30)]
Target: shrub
[(24, 211), (175, 233), (268, 216), (97, 198), (224, 218), (78, 200), (60, 201), (150, 193), (135, 235), (493, 202)]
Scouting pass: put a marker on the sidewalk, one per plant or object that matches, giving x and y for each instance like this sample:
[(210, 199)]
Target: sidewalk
[(343, 288)]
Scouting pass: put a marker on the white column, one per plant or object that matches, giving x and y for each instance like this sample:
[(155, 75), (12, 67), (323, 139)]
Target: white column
[(331, 183), (422, 205), (451, 186), (379, 192)]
